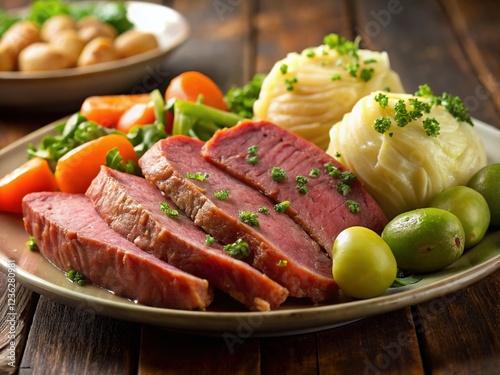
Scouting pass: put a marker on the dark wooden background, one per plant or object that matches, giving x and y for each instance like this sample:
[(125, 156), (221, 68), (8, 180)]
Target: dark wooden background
[(452, 45)]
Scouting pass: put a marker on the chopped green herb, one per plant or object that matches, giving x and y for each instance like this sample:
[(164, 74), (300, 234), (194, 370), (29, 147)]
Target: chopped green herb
[(382, 99), (424, 91), (382, 124), (263, 210), (165, 207), (353, 206), (370, 61), (250, 218), (238, 250), (252, 157), (301, 180), (278, 174), (431, 127), (284, 68), (346, 176), (337, 154), (289, 82), (301, 184), (222, 194), (240, 100), (310, 53), (197, 176), (303, 189), (419, 108), (31, 244), (366, 74), (77, 277), (343, 188), (281, 207), (209, 240), (314, 173), (336, 77), (115, 161), (352, 68), (402, 117), (282, 263)]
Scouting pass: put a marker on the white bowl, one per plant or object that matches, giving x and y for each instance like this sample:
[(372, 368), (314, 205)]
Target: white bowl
[(66, 89)]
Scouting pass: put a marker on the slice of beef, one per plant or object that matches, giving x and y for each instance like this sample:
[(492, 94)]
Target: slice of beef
[(71, 235), (131, 206), (322, 211), (278, 246)]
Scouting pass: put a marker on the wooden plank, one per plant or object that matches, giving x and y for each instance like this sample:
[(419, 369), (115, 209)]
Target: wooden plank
[(460, 332), (65, 340), (289, 355), (423, 49), (293, 27), (17, 307), (217, 44), (384, 344), (164, 352), (478, 31)]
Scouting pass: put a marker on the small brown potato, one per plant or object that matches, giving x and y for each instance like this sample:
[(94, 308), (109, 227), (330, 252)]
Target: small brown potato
[(69, 43), (40, 57), (7, 60), (20, 35), (98, 50), (94, 30), (55, 25), (87, 21), (134, 42)]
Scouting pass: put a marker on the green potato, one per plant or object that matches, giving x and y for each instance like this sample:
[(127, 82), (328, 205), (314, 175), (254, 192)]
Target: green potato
[(487, 182)]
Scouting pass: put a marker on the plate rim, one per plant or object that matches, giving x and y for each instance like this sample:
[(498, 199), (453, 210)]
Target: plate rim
[(272, 323)]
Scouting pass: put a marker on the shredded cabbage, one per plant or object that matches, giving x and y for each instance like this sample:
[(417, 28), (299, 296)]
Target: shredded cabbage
[(404, 168)]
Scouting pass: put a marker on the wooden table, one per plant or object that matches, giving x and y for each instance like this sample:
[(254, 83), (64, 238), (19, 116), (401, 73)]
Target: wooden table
[(452, 45)]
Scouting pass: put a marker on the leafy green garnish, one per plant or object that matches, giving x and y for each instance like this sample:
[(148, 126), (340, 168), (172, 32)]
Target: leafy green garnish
[(77, 277), (222, 194), (238, 250), (197, 176), (252, 157), (250, 218), (278, 174), (281, 207), (114, 13), (240, 100), (353, 206), (263, 210), (115, 161), (165, 207), (6, 21), (282, 263), (143, 137), (382, 99), (382, 124), (314, 173), (31, 244), (209, 240)]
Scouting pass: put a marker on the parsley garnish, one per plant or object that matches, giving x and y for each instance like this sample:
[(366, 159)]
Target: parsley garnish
[(301, 180), (166, 208), (263, 210), (353, 206), (282, 263), (382, 124), (289, 82), (197, 176), (209, 240), (115, 161), (238, 250), (336, 77), (314, 173), (222, 194), (250, 218), (382, 99), (402, 117), (301, 184), (31, 244), (366, 74), (431, 127), (281, 207), (77, 277), (252, 157), (310, 53), (343, 188), (284, 68), (278, 174)]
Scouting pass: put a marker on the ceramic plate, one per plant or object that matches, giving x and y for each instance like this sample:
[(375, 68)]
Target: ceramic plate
[(64, 89), (226, 317)]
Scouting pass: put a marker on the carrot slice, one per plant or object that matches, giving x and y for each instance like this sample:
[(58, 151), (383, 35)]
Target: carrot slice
[(138, 114), (76, 169), (107, 110), (189, 85), (34, 175)]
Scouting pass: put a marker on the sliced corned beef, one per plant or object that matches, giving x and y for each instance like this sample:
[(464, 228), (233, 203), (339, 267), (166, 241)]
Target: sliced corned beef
[(320, 208), (131, 206), (72, 236), (278, 246)]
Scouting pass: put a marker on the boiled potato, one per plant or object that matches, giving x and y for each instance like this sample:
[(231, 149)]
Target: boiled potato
[(55, 25), (69, 43), (21, 35), (41, 56), (98, 50), (7, 60), (96, 29), (134, 42)]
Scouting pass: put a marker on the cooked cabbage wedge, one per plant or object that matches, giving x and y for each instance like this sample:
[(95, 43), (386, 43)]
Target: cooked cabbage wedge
[(404, 167), (307, 93)]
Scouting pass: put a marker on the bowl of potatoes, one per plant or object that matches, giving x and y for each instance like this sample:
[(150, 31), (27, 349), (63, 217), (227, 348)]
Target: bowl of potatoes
[(55, 65)]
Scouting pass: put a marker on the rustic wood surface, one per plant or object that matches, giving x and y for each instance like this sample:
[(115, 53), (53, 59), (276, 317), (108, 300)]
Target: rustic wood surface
[(452, 45)]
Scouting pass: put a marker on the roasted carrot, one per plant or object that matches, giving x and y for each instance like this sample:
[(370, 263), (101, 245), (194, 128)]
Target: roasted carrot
[(138, 114), (34, 175), (107, 110), (76, 169), (190, 85)]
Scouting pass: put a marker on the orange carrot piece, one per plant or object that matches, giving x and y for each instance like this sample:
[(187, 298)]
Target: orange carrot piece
[(138, 114), (76, 169), (32, 176)]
